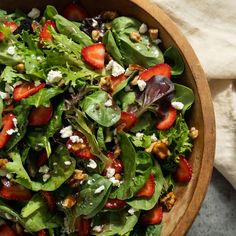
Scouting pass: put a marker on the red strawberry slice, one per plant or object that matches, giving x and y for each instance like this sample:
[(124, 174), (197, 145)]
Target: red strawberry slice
[(152, 217), (7, 124), (45, 33), (74, 12), (115, 204), (49, 198), (159, 69), (148, 189), (11, 24), (82, 226), (126, 122), (42, 233), (40, 115), (5, 230), (168, 119), (15, 192), (42, 159), (26, 89), (94, 55), (115, 163), (184, 171)]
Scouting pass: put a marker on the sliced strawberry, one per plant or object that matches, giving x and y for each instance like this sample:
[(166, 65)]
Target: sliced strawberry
[(148, 189), (168, 119), (184, 171), (116, 80), (115, 163), (40, 115), (115, 204), (15, 192), (81, 148), (11, 24), (82, 226), (26, 89), (7, 124), (152, 217), (5, 230), (42, 159), (74, 12), (42, 233), (49, 198), (126, 122), (159, 69), (94, 55), (45, 33)]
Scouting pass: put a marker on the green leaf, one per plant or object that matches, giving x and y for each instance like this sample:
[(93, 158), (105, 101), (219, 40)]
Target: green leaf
[(50, 12), (154, 230), (184, 95), (145, 142), (126, 99), (173, 57), (6, 59), (42, 97), (95, 107), (100, 138)]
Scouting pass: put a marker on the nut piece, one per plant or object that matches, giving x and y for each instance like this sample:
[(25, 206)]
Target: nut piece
[(136, 67), (69, 201), (80, 175), (3, 162), (20, 68), (135, 36), (153, 33), (193, 133), (95, 35), (160, 150), (118, 176), (168, 201), (109, 15)]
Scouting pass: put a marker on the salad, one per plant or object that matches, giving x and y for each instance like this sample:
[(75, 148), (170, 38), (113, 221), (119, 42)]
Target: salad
[(93, 136)]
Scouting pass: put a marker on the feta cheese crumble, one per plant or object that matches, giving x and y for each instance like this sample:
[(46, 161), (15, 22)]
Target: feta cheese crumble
[(11, 50), (98, 228), (131, 211), (11, 131), (115, 182), (76, 139), (34, 13), (141, 84), (44, 169), (139, 136), (153, 138), (110, 172), (108, 103), (67, 163), (46, 177), (143, 29), (116, 68), (177, 105), (92, 164), (66, 132), (99, 189), (54, 76)]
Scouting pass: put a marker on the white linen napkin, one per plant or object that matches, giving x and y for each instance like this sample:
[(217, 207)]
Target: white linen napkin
[(210, 27)]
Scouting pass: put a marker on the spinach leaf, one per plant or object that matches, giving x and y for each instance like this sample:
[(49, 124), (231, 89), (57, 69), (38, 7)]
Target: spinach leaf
[(145, 122), (100, 138), (71, 30), (184, 95), (95, 107), (126, 99), (42, 97), (173, 57), (115, 223), (89, 202)]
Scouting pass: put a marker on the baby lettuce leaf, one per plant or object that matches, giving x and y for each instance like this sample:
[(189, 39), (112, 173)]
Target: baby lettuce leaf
[(145, 142), (185, 95), (115, 223), (50, 12), (173, 57), (5, 58), (156, 88), (125, 99), (95, 107)]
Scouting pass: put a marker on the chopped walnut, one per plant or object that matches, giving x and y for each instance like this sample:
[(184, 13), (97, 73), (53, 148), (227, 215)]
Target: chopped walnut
[(3, 162), (80, 175), (136, 67), (153, 33), (95, 35), (69, 201), (193, 133), (118, 176), (168, 201), (20, 68), (109, 15), (135, 36), (160, 150)]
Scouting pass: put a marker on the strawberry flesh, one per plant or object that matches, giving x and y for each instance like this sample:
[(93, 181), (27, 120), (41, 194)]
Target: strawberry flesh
[(115, 204), (148, 189), (42, 233), (126, 122), (152, 217), (94, 55), (184, 171), (45, 33), (74, 12), (11, 24), (168, 120), (82, 226), (49, 198)]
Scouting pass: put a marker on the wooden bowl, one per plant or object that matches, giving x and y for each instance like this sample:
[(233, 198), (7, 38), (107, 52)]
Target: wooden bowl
[(189, 196)]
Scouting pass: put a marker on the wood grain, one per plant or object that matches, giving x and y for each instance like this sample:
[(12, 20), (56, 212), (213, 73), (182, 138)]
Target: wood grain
[(190, 196)]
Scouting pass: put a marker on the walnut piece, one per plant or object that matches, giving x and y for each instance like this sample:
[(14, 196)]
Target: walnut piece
[(168, 201), (69, 201), (193, 133), (95, 35), (80, 175), (3, 162), (153, 33), (160, 150), (135, 37)]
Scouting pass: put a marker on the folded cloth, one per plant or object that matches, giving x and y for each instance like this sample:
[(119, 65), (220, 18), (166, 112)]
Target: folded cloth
[(210, 27)]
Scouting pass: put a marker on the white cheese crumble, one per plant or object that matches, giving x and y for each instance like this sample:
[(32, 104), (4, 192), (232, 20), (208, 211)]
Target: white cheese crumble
[(44, 169), (66, 132), (110, 172), (139, 136), (34, 13), (153, 138), (115, 182), (131, 211), (76, 139), (46, 177), (108, 103), (4, 95), (9, 175), (67, 163), (11, 131), (116, 68), (177, 105), (99, 189), (16, 84), (11, 50), (98, 228), (53, 76), (54, 163), (92, 164), (141, 84), (143, 29), (94, 23)]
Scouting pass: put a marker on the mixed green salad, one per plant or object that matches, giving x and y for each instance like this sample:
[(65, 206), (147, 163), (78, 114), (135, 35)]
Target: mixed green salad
[(93, 137)]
